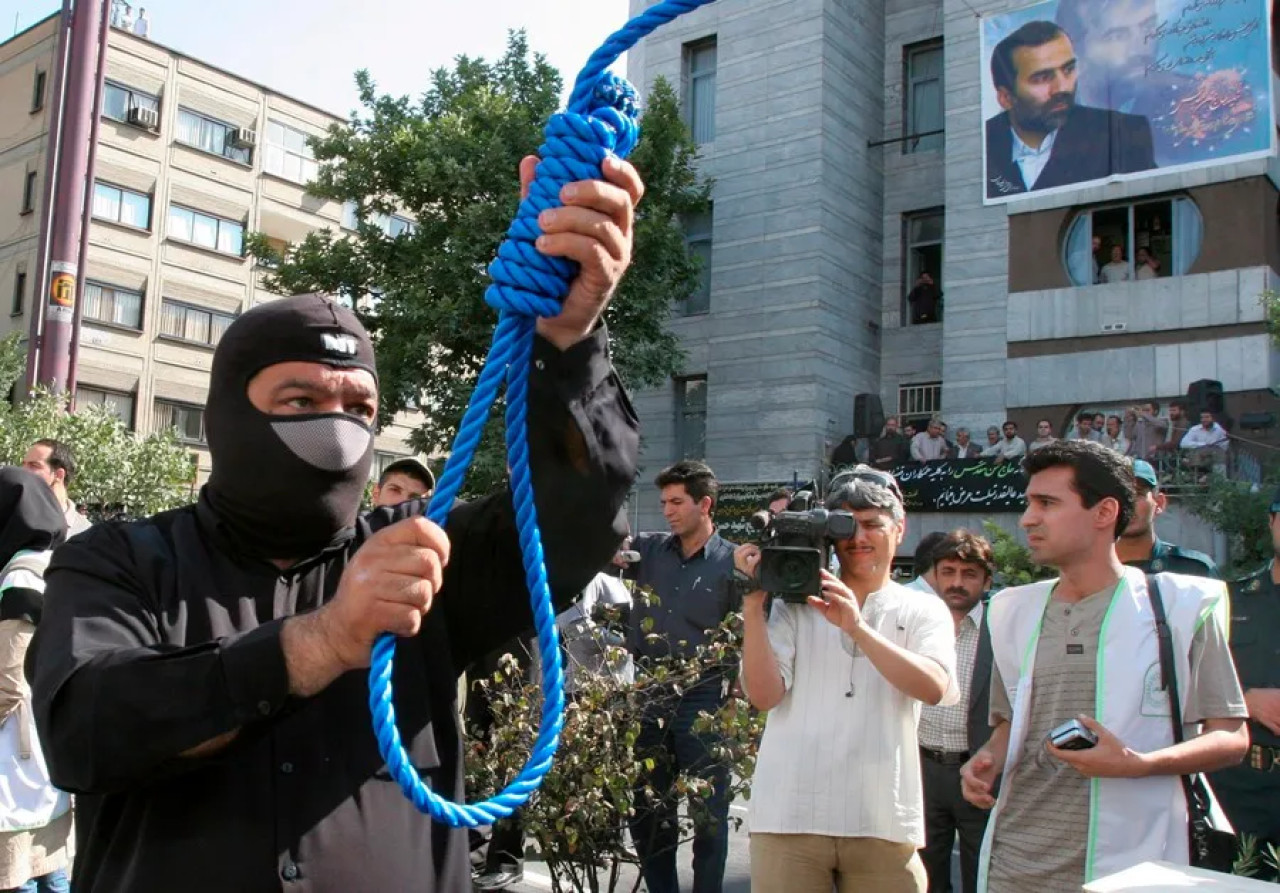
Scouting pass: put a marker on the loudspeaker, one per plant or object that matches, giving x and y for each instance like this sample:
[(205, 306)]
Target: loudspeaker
[(1205, 395), (868, 415)]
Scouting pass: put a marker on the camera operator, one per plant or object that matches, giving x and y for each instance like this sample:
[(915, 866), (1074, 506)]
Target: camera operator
[(1066, 816), (844, 676)]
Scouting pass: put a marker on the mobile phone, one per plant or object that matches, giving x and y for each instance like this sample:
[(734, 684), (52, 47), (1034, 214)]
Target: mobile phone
[(1072, 735)]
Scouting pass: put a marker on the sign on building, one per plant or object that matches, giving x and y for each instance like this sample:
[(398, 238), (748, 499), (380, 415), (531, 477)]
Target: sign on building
[(1077, 92)]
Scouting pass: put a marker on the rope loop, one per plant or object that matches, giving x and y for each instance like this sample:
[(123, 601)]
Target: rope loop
[(602, 119)]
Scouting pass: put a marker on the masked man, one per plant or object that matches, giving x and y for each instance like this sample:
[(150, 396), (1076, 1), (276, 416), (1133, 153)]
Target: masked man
[(199, 677)]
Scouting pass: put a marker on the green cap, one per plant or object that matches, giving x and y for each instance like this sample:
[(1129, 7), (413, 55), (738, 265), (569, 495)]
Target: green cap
[(1143, 471)]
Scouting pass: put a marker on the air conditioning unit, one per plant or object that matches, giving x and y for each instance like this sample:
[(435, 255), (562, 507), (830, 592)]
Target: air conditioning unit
[(244, 138), (146, 118)]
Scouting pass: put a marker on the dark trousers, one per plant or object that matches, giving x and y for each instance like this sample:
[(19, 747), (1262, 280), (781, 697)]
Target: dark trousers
[(947, 813), (675, 747)]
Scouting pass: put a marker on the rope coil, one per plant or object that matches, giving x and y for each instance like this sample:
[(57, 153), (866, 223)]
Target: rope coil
[(602, 119)]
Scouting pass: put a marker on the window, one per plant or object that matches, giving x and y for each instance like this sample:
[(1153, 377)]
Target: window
[(188, 420), (29, 192), (37, 90), (193, 324), (120, 404), (922, 97), (1143, 240), (19, 293), (700, 85), (697, 236), (205, 230), (117, 306), (210, 135), (350, 215), (920, 399), (922, 235), (288, 155), (691, 417), (118, 101), (119, 205)]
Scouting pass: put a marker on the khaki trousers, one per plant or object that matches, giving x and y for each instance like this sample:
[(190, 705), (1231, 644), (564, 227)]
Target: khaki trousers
[(811, 863)]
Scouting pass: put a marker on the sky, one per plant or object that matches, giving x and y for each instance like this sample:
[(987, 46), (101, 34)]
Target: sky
[(310, 49)]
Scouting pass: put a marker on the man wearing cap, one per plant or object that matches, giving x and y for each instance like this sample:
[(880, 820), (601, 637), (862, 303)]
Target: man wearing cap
[(1139, 546), (1250, 792), (402, 480), (200, 677)]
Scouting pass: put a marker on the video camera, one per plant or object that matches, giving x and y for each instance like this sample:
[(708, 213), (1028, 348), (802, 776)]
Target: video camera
[(795, 545)]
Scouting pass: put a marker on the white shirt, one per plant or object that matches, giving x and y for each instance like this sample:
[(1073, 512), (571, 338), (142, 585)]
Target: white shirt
[(925, 448), (1116, 271), (76, 522), (1199, 436), (1011, 448), (839, 754), (920, 584), (141, 26), (1031, 161)]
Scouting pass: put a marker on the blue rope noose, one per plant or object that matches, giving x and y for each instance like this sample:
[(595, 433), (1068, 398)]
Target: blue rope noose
[(600, 120)]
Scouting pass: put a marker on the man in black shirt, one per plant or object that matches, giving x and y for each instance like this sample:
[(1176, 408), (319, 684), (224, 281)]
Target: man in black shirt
[(199, 677)]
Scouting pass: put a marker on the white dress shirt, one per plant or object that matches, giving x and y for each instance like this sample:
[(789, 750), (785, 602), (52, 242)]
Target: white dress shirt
[(1200, 436), (1031, 161), (839, 755)]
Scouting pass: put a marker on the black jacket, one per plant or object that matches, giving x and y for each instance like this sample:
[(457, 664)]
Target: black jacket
[(980, 688), (1093, 144), (157, 637)]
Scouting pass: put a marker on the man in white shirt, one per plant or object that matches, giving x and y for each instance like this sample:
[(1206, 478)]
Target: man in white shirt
[(1012, 447), (142, 24), (922, 563), (1118, 269), (53, 462), (1044, 436), (929, 444), (1206, 444), (837, 791)]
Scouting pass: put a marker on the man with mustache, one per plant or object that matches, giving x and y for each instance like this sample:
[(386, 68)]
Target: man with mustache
[(1043, 139), (962, 566)]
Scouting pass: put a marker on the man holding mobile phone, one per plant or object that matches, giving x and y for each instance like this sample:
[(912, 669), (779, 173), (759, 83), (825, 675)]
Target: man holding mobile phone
[(1084, 647)]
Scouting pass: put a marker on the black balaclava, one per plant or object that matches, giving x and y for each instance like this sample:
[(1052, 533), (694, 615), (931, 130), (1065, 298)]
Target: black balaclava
[(285, 487), (30, 520)]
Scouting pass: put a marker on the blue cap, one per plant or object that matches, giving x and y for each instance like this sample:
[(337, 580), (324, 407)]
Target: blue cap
[(1143, 471)]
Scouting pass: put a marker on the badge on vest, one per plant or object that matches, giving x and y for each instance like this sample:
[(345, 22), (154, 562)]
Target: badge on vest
[(1155, 700)]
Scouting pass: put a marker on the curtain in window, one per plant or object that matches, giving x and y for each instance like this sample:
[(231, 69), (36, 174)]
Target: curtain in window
[(1078, 251), (1188, 231)]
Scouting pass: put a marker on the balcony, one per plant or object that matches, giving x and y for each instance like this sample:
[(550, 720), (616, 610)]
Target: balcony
[(1170, 303)]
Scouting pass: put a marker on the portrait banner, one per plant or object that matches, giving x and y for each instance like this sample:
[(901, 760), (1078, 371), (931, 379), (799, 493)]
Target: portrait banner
[(1080, 92)]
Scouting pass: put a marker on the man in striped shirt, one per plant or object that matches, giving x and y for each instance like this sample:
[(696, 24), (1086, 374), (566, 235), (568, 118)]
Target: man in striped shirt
[(837, 793), (962, 566)]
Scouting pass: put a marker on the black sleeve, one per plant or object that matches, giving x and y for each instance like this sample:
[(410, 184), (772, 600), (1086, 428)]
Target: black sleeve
[(114, 705), (583, 451)]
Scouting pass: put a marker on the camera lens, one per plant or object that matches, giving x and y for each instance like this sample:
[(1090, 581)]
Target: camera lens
[(794, 571)]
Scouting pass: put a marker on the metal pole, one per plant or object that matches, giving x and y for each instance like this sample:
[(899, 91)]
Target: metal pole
[(58, 303), (86, 212), (53, 143)]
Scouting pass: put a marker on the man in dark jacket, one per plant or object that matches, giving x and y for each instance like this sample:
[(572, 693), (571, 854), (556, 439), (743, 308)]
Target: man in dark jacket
[(1044, 139), (200, 678)]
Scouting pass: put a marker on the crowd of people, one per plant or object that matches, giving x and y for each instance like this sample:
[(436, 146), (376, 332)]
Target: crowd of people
[(1172, 442)]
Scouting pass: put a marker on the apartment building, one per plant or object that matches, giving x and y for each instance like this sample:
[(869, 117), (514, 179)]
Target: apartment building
[(190, 158), (848, 144)]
